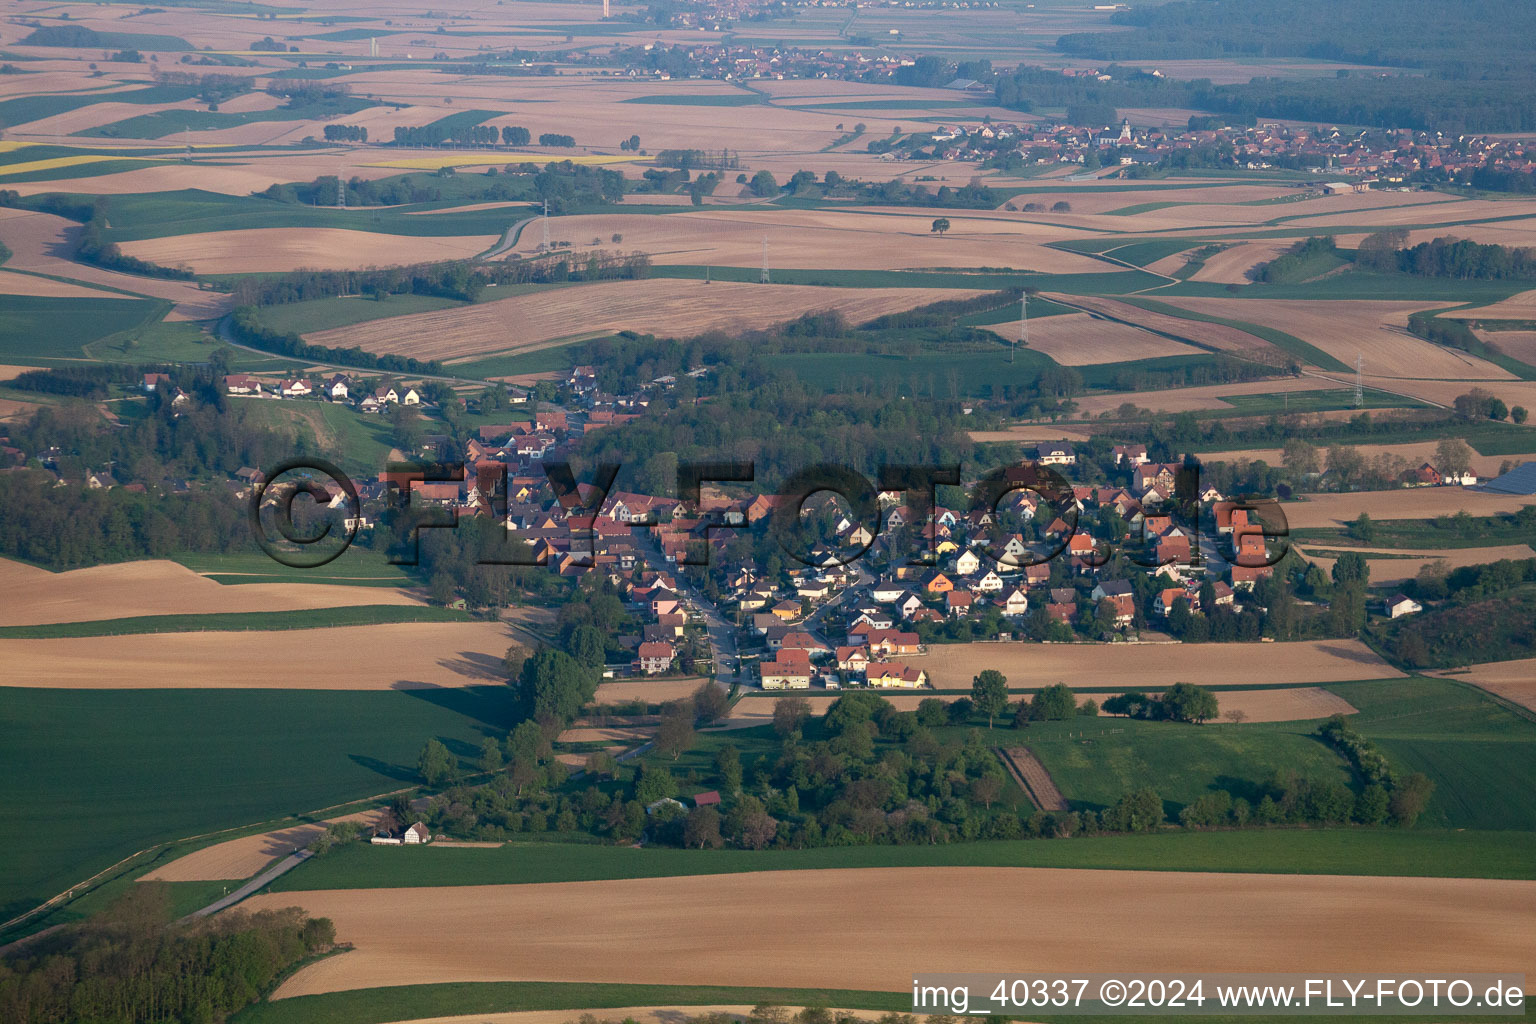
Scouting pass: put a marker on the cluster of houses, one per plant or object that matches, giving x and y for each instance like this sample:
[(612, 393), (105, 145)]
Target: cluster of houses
[(337, 388), (1384, 158)]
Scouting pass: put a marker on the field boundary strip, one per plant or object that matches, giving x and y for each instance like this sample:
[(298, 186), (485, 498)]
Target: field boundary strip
[(1032, 777)]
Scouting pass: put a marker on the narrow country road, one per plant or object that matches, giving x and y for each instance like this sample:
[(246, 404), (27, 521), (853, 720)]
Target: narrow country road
[(286, 865)]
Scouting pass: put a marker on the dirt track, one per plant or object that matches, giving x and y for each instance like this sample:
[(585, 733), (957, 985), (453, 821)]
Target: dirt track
[(1026, 769), (242, 858), (871, 928)]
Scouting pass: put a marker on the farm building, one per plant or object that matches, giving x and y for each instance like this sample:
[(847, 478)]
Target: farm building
[(1520, 480)]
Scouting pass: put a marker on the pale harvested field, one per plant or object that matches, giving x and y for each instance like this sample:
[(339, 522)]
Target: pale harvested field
[(39, 242), (1214, 335), (844, 239), (1400, 570), (652, 691), (1079, 339), (1193, 399), (1513, 680), (242, 858), (1445, 392), (12, 372), (1415, 452), (626, 738), (1346, 328), (1299, 703), (11, 409), (1405, 503), (1231, 266), (865, 928), (1520, 306), (1027, 434), (1408, 213), (656, 305), (1122, 665), (397, 656), (1519, 345), (1505, 232), (263, 250), (12, 283), (161, 587), (637, 1014)]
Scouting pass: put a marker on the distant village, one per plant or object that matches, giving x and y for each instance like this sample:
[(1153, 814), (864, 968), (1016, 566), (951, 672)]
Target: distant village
[(1390, 155)]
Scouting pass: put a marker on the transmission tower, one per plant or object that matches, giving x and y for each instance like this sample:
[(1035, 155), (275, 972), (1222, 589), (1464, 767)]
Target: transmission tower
[(1023, 324), (763, 278), (1359, 380), (546, 225), (341, 188)]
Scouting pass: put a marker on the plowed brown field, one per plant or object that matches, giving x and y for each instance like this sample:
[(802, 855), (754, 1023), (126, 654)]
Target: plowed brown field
[(867, 928), (265, 250), (954, 666), (160, 588), (658, 306), (402, 655), (1078, 339)]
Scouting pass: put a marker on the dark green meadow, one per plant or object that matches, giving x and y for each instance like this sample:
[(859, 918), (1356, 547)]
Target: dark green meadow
[(102, 774), (48, 331)]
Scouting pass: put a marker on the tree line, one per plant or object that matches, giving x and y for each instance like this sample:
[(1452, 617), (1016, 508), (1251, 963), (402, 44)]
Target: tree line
[(346, 133), (92, 246), (131, 965)]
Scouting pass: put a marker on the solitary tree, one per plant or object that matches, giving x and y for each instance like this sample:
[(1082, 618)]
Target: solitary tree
[(702, 829), (989, 692), (789, 714), (675, 734), (1055, 703), (435, 765), (709, 702), (940, 225)]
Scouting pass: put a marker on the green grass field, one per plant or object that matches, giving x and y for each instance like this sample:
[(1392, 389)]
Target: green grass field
[(110, 772), (375, 1006), (1481, 755), (1420, 534), (357, 442), (467, 999), (1094, 763), (357, 566), (1347, 851), (192, 211), (46, 331), (167, 122), (325, 314), (307, 618), (930, 372), (544, 360)]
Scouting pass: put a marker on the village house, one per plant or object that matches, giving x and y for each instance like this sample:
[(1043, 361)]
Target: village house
[(1400, 604), (790, 670), (1056, 453), (894, 674), (242, 384), (655, 657)]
